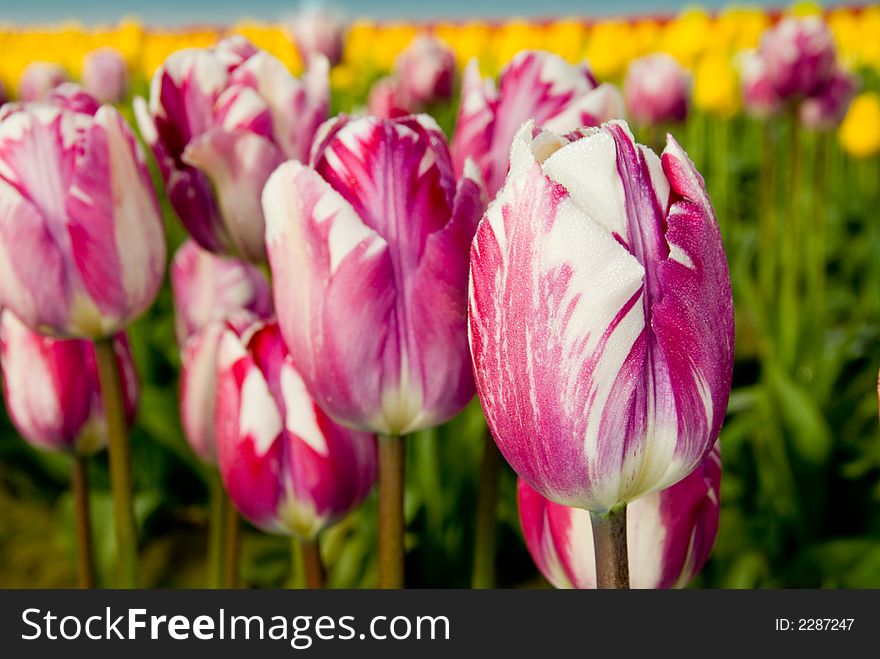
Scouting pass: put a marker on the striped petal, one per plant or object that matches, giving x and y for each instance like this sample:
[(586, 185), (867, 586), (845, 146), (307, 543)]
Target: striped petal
[(670, 534), (380, 233), (601, 322), (536, 85)]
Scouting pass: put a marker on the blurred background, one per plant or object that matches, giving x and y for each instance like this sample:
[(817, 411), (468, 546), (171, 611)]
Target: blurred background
[(801, 446)]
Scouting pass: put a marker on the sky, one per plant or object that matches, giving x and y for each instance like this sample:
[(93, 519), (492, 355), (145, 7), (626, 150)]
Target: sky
[(182, 12)]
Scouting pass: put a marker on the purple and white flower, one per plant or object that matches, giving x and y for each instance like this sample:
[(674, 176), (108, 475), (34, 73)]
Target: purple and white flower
[(535, 85), (601, 316), (368, 247)]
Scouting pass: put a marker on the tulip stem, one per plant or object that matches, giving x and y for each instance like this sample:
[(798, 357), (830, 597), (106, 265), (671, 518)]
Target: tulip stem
[(609, 541), (392, 471), (120, 463), (313, 568), (79, 483), (487, 505), (217, 534), (231, 543)]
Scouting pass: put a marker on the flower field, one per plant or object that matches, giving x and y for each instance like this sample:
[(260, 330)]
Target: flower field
[(793, 177)]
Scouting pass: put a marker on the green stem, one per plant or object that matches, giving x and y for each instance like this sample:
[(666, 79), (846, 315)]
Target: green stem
[(609, 542), (392, 472), (120, 464), (768, 229), (487, 504), (789, 321), (216, 532), (79, 483), (313, 568), (231, 544), (818, 249)]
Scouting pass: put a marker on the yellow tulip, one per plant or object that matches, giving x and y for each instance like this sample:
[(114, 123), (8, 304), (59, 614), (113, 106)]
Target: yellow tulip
[(859, 134), (716, 84)]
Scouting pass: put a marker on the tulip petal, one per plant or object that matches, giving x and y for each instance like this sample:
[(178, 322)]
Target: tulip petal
[(248, 427), (542, 312), (33, 276), (297, 107), (324, 259), (106, 221), (238, 163)]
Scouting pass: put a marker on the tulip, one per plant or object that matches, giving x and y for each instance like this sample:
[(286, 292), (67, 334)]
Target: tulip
[(670, 533), (601, 320), (799, 54), (426, 69), (74, 192), (287, 466), (828, 107), (385, 100), (82, 248), (759, 95), (210, 291), (656, 89), (537, 85), (208, 287), (859, 133), (222, 119), (319, 31), (105, 75), (52, 390), (38, 79), (53, 395), (368, 250)]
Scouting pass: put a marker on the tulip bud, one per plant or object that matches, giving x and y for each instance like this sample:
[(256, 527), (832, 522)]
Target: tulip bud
[(82, 245), (759, 95), (52, 390), (828, 107), (601, 317), (670, 533), (105, 75), (368, 250), (319, 31), (38, 79), (287, 467), (535, 85), (207, 287), (657, 90), (426, 70), (799, 54), (385, 99), (221, 120)]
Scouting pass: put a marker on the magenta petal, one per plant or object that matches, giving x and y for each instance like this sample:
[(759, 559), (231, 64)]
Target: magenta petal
[(326, 265)]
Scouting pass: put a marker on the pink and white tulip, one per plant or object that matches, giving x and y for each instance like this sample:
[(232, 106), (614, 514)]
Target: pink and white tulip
[(601, 316), (536, 85), (368, 248), (105, 75), (800, 56), (670, 533), (760, 98), (657, 90), (38, 79), (385, 99), (426, 71), (828, 107), (319, 31), (82, 245), (286, 465), (208, 287), (220, 120), (52, 390)]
